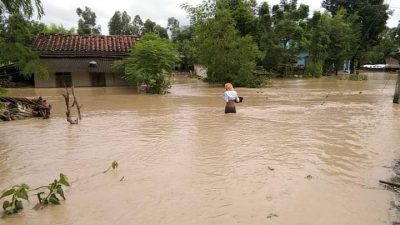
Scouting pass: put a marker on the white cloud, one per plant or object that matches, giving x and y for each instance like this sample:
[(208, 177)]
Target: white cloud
[(156, 10)]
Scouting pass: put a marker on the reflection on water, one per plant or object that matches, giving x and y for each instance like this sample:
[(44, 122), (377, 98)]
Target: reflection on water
[(185, 162)]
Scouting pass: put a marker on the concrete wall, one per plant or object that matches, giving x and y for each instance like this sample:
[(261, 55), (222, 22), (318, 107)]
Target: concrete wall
[(114, 80), (80, 79), (80, 72)]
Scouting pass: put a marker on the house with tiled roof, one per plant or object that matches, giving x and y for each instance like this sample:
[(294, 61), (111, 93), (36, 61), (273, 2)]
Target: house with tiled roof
[(82, 60)]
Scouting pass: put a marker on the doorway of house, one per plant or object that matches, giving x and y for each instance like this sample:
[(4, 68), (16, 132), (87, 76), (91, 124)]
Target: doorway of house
[(98, 79), (63, 79)]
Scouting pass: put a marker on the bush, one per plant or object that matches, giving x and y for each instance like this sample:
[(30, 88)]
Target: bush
[(313, 69), (150, 64)]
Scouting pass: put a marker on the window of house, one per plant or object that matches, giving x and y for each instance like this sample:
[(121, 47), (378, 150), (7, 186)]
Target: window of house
[(63, 79), (98, 79)]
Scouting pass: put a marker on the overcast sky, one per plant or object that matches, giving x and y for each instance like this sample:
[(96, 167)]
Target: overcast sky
[(64, 12)]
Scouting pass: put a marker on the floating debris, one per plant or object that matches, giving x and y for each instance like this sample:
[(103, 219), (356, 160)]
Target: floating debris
[(12, 108)]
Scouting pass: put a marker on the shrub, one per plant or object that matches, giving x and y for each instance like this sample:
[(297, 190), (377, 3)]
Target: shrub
[(313, 69)]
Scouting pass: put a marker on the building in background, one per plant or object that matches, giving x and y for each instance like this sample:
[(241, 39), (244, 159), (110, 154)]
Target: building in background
[(82, 60)]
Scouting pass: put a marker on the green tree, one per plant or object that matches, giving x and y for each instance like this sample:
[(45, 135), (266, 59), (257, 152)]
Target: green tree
[(173, 27), (150, 63), (137, 24), (149, 26), (283, 40), (342, 38), (161, 31), (227, 56), (317, 41), (58, 29), (115, 24), (87, 21), (16, 36), (120, 24), (389, 46), (244, 14), (152, 27), (37, 27), (25, 8), (186, 47), (329, 41), (370, 18)]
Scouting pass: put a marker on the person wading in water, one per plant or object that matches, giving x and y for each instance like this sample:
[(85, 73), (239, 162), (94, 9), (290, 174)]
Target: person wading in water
[(230, 97)]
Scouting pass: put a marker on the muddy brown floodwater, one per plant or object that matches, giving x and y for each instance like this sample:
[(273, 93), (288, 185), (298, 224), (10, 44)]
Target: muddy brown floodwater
[(304, 152)]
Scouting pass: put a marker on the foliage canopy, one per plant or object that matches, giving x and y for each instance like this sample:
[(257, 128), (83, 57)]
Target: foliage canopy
[(16, 35), (150, 63)]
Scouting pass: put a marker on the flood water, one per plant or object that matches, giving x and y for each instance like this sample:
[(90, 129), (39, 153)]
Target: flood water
[(302, 151)]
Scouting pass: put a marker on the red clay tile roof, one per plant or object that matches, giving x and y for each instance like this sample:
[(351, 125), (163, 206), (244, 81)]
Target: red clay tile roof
[(60, 45)]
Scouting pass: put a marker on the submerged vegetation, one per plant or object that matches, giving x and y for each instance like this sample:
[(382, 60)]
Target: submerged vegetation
[(17, 193), (52, 195), (20, 192), (55, 191), (354, 77)]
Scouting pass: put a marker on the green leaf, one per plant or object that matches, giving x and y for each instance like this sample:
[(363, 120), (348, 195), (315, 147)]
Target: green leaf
[(53, 199), (7, 193), (60, 191), (25, 186), (64, 180), (114, 164), (22, 194)]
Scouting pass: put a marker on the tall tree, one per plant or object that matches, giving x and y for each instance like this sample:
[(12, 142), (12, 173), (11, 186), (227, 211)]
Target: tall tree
[(149, 26), (389, 46), (152, 27), (283, 40), (227, 56), (370, 20), (87, 21), (173, 27), (137, 28), (120, 24), (37, 27), (186, 47), (16, 36), (25, 8), (115, 24), (342, 38), (244, 14), (127, 27)]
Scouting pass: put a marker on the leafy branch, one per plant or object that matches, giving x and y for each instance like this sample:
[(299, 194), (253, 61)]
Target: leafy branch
[(17, 192), (55, 191)]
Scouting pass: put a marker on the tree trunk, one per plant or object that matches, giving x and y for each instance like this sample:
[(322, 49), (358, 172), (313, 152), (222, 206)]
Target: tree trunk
[(397, 90), (352, 65), (75, 103), (336, 68)]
